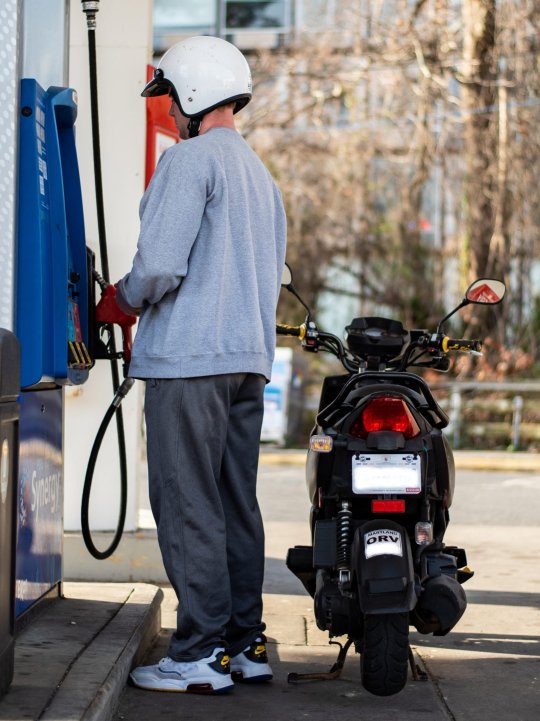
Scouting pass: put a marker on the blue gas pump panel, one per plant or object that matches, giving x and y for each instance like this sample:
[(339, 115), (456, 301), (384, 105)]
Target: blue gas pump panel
[(40, 502), (52, 273)]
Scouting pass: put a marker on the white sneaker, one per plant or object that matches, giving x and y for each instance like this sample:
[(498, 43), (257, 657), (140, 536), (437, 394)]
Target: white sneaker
[(208, 675), (251, 665)]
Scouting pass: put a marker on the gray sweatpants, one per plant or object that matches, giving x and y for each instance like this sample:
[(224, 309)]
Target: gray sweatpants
[(203, 449)]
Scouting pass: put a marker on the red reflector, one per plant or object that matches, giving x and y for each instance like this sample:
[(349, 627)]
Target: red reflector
[(388, 506), (386, 413)]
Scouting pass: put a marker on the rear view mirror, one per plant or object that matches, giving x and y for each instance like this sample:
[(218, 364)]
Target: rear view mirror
[(286, 276), (486, 291)]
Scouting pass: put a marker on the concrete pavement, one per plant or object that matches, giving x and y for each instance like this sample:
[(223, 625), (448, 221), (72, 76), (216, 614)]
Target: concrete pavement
[(295, 645), (138, 558), (73, 660)]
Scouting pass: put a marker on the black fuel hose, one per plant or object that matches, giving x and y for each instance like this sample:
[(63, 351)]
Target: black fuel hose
[(120, 391), (119, 396)]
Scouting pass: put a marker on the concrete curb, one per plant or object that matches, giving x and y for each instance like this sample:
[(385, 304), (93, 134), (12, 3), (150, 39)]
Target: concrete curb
[(464, 460), (140, 632), (492, 461), (73, 660)]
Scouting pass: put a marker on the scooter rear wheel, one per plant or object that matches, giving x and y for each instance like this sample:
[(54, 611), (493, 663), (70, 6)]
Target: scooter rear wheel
[(385, 655)]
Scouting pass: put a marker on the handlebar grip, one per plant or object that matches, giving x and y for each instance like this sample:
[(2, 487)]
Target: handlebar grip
[(289, 330), (461, 344)]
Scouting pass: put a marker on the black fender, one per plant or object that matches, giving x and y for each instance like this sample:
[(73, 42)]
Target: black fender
[(381, 561)]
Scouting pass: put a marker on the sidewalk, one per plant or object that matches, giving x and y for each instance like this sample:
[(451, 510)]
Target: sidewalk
[(72, 664)]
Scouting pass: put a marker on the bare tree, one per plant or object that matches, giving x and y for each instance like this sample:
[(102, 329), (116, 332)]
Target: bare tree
[(406, 143)]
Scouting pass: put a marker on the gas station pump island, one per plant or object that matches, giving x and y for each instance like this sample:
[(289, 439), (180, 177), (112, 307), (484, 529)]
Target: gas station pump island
[(52, 329), (55, 332)]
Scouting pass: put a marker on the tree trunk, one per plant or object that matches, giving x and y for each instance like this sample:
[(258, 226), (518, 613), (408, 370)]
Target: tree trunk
[(479, 99)]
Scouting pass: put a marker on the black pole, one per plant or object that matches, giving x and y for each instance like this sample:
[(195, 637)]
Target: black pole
[(96, 145)]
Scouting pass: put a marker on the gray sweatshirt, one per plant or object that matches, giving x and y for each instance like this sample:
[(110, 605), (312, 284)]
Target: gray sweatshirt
[(207, 271)]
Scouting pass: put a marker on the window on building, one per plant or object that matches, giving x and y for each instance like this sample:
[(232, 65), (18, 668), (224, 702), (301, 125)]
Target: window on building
[(188, 14), (175, 20), (235, 20), (256, 15)]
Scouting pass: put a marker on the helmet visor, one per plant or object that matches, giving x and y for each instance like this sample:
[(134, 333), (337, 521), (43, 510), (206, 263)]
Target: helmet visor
[(157, 86)]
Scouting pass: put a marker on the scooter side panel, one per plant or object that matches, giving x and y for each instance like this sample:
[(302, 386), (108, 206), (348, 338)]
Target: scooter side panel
[(441, 469)]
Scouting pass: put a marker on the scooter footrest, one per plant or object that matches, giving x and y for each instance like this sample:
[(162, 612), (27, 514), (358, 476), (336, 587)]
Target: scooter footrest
[(464, 574), (300, 562), (458, 553), (300, 559)]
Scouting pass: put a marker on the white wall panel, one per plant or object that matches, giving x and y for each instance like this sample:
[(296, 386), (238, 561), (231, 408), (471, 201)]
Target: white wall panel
[(123, 39)]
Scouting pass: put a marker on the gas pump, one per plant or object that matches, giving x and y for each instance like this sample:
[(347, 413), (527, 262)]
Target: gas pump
[(52, 280), (9, 441), (51, 332), (52, 325), (59, 329)]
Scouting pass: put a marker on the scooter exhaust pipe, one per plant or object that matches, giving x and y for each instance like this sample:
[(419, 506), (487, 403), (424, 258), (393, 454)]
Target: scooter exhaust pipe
[(442, 603)]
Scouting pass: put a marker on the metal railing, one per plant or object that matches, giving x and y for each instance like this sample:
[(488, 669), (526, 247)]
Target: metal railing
[(461, 400)]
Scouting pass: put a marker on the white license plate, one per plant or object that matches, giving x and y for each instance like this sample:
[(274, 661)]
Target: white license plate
[(383, 541), (386, 473)]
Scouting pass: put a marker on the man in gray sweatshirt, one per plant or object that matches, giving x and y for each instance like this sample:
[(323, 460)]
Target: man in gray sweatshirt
[(205, 281)]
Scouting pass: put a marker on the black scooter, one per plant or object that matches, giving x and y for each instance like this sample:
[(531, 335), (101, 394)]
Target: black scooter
[(380, 476)]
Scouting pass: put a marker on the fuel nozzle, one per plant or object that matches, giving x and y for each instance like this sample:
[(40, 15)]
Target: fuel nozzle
[(90, 8), (107, 313)]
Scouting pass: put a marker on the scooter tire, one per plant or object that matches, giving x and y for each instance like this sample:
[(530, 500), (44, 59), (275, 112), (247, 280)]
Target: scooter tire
[(385, 654)]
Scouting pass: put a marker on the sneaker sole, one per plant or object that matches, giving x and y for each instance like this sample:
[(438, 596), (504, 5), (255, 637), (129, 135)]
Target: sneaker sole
[(202, 688), (239, 676)]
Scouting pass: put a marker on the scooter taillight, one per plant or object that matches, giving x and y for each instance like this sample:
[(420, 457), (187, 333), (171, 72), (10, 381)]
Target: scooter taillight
[(385, 413)]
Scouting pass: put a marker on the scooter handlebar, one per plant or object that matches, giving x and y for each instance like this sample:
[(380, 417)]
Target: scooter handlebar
[(299, 331), (461, 344)]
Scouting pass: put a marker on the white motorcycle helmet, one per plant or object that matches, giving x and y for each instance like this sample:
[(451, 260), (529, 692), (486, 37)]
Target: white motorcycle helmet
[(202, 73)]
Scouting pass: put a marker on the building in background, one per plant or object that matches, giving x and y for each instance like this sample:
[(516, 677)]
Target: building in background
[(246, 23), (250, 24)]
